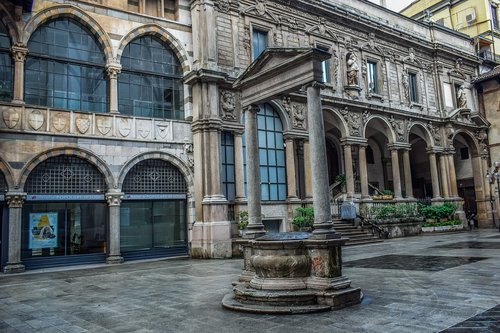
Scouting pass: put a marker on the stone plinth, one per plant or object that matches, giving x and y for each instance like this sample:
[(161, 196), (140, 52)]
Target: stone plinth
[(290, 273)]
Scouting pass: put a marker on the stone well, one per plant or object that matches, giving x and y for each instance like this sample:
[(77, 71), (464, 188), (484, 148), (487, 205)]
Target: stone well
[(290, 273)]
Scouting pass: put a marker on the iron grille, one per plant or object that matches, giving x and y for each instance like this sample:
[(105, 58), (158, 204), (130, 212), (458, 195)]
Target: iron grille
[(154, 176), (65, 175)]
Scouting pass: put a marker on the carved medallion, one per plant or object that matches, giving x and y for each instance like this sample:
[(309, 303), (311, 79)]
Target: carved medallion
[(11, 118), (36, 119), (124, 126), (103, 125), (261, 7), (227, 105), (82, 124), (59, 122), (162, 130)]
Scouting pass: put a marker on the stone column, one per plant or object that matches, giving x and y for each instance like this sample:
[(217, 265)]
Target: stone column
[(323, 225), (238, 167), (15, 202), (407, 171), (444, 176), (113, 70), (19, 54), (349, 174), (434, 175), (363, 172), (452, 176), (114, 200), (290, 169), (307, 170), (396, 176), (255, 227)]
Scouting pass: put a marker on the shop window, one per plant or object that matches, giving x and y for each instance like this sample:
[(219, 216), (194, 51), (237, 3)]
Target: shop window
[(5, 65), (271, 154), (413, 87), (259, 42), (228, 166), (372, 75), (65, 68), (150, 84)]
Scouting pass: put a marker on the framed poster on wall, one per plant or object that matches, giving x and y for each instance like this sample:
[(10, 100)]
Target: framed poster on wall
[(42, 230)]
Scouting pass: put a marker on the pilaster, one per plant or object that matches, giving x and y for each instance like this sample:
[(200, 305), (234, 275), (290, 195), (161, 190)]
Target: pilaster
[(15, 201)]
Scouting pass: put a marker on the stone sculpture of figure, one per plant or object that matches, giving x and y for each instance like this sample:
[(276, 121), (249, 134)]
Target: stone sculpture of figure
[(352, 69), (406, 88), (462, 98)]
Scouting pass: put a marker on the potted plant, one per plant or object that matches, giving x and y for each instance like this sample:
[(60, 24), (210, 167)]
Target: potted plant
[(303, 218), (387, 195), (242, 221)]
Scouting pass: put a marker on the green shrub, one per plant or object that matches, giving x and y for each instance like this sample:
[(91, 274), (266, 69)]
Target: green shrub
[(438, 212), (243, 219), (303, 217)]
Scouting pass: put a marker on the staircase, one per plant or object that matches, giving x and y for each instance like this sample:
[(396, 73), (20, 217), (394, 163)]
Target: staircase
[(356, 235)]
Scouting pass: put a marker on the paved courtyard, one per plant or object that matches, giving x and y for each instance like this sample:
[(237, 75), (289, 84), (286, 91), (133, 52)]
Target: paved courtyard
[(448, 283)]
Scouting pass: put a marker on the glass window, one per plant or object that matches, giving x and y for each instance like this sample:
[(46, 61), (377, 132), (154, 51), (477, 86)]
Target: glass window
[(146, 225), (63, 229), (325, 67), (65, 68), (150, 84), (494, 16), (227, 158), (259, 42), (372, 77), (6, 71), (271, 154), (413, 87)]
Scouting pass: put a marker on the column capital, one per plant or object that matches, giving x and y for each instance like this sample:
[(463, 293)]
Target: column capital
[(15, 199), (353, 141), (114, 198), (113, 69), (253, 108), (314, 84), (19, 52), (399, 146)]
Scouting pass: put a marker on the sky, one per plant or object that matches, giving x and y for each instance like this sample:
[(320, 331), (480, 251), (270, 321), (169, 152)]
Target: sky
[(395, 5)]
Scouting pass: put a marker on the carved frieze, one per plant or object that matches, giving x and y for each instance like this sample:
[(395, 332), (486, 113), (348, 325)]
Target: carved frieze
[(399, 127), (60, 122), (354, 121), (286, 102), (227, 105), (299, 116), (143, 128), (223, 5), (436, 134), (11, 117), (36, 119), (104, 125), (124, 126), (189, 152), (163, 130)]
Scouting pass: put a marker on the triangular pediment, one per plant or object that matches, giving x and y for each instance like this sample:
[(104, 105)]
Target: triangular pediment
[(479, 120), (260, 11)]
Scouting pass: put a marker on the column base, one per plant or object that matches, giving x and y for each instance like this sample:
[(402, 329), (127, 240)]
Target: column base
[(14, 268), (113, 259)]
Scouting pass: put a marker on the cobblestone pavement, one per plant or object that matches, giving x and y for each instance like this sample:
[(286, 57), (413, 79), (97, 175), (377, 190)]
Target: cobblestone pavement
[(409, 286)]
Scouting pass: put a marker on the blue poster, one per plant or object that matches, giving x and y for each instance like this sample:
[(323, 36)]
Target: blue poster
[(43, 230)]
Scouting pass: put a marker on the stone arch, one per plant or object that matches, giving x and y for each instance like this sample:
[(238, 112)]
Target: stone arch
[(423, 132), (10, 24), (382, 123), (175, 161), (280, 110), (7, 172), (73, 12), (71, 151), (164, 35), (334, 114), (470, 139)]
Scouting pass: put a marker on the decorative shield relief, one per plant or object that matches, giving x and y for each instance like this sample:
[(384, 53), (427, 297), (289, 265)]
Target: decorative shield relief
[(11, 118), (124, 126), (162, 130), (59, 122), (82, 124), (103, 125), (36, 119), (143, 128)]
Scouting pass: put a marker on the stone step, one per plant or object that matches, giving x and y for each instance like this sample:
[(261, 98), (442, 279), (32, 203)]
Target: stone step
[(356, 235)]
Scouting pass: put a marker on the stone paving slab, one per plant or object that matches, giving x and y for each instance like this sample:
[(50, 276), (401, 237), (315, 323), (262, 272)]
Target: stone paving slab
[(185, 295)]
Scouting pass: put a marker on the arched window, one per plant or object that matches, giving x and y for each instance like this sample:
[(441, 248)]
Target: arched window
[(5, 65), (271, 154), (150, 83), (65, 68)]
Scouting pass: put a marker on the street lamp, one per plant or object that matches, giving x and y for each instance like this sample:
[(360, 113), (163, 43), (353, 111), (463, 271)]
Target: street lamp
[(492, 177)]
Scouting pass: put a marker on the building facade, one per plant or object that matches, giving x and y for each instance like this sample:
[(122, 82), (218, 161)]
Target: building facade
[(476, 18), (122, 135)]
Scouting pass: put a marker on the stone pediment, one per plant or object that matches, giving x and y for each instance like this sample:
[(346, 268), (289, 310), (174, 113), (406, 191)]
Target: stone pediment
[(260, 10), (479, 120), (461, 116), (279, 71)]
